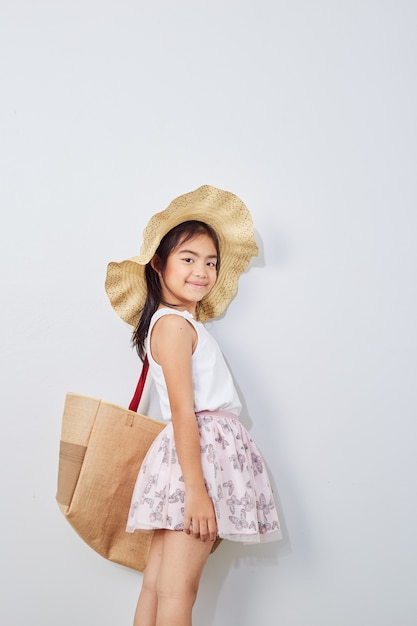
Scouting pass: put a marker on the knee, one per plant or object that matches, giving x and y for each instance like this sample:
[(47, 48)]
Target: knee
[(184, 592), (149, 583)]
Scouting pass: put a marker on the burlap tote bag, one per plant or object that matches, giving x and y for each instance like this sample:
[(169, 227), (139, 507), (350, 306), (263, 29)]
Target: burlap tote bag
[(101, 450)]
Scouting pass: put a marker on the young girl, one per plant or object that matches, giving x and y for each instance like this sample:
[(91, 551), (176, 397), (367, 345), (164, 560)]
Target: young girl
[(203, 478)]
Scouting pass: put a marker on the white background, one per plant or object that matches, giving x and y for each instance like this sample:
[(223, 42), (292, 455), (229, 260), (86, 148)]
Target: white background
[(307, 111)]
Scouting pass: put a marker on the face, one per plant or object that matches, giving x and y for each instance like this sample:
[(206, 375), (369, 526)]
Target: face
[(190, 272)]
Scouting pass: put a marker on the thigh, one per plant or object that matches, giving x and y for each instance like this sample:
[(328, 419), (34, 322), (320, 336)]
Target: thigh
[(150, 575), (182, 561)]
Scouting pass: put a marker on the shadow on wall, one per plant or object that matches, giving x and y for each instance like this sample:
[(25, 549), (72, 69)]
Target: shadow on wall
[(228, 557)]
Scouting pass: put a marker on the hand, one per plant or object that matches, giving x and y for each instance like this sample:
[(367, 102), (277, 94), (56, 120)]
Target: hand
[(199, 516)]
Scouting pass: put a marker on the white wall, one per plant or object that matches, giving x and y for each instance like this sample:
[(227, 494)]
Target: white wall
[(306, 110)]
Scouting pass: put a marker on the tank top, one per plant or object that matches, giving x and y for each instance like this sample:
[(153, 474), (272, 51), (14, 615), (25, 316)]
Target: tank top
[(214, 389)]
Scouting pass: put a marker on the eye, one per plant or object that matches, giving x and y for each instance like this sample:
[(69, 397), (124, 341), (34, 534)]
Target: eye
[(212, 264), (188, 259)]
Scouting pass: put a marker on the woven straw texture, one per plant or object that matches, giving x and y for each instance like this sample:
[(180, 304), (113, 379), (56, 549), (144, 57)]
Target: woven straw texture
[(223, 211)]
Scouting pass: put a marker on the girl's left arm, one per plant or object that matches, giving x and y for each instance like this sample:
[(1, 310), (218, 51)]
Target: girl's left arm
[(172, 344)]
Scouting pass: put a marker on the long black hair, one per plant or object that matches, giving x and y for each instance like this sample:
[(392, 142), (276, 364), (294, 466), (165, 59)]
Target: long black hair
[(176, 236)]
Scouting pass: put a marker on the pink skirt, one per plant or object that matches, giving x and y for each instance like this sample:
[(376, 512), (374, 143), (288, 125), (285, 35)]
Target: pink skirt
[(235, 475)]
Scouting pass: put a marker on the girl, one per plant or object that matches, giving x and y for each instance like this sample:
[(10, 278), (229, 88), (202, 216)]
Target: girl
[(203, 477)]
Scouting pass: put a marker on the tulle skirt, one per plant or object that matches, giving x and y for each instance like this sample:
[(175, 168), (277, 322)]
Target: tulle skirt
[(235, 475)]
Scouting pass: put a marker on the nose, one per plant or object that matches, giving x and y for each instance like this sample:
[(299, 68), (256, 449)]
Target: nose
[(200, 269)]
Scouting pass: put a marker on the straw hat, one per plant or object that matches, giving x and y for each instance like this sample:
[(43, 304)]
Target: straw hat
[(223, 211)]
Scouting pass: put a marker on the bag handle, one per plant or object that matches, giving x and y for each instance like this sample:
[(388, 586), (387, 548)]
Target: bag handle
[(133, 406)]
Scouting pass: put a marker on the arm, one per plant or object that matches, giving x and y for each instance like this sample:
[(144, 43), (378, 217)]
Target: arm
[(172, 343)]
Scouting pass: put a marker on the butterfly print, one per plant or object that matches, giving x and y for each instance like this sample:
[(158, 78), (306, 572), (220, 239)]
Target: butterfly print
[(156, 515), (264, 506), (232, 503), (238, 523), (177, 496), (264, 527), (229, 486), (248, 502), (234, 474), (151, 482), (222, 441), (257, 463), (162, 495)]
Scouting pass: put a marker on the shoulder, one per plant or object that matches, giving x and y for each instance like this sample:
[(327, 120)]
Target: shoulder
[(169, 312), (170, 318), (172, 329), (171, 322)]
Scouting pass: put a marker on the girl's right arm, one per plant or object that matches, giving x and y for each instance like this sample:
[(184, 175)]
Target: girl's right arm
[(172, 342)]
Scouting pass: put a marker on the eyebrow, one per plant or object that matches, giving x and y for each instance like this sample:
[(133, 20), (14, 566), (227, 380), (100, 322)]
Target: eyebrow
[(210, 256)]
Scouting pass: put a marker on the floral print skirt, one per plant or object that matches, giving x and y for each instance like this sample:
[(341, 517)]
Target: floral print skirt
[(235, 475)]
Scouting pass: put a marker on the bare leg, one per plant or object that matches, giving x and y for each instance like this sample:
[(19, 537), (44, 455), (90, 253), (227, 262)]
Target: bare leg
[(171, 579), (147, 606), (182, 562)]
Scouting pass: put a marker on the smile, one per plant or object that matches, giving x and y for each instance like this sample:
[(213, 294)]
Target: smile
[(197, 285)]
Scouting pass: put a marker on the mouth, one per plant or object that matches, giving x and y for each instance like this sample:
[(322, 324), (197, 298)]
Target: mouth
[(197, 285)]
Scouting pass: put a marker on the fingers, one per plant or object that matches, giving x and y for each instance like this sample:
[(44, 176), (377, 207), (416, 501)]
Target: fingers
[(212, 531), (200, 516), (205, 530), (188, 525)]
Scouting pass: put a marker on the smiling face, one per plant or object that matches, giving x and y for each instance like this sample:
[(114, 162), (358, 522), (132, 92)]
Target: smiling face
[(190, 272)]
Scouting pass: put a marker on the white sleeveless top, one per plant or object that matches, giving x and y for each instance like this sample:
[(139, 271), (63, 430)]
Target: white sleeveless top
[(214, 389)]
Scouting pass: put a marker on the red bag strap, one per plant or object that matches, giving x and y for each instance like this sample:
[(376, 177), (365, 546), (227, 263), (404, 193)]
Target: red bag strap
[(133, 406)]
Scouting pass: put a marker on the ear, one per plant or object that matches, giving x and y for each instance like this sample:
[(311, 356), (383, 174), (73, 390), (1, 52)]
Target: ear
[(156, 264)]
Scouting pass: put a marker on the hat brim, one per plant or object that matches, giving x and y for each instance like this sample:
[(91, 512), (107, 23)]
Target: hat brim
[(226, 214)]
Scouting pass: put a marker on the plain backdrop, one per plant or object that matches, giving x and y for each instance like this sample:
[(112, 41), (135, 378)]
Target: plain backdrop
[(306, 110)]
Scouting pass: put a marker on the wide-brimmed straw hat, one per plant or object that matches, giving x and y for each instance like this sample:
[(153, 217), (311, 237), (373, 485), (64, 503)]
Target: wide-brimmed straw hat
[(223, 211)]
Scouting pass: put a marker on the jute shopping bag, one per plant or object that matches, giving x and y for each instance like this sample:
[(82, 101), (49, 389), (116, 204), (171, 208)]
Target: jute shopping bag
[(102, 448)]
